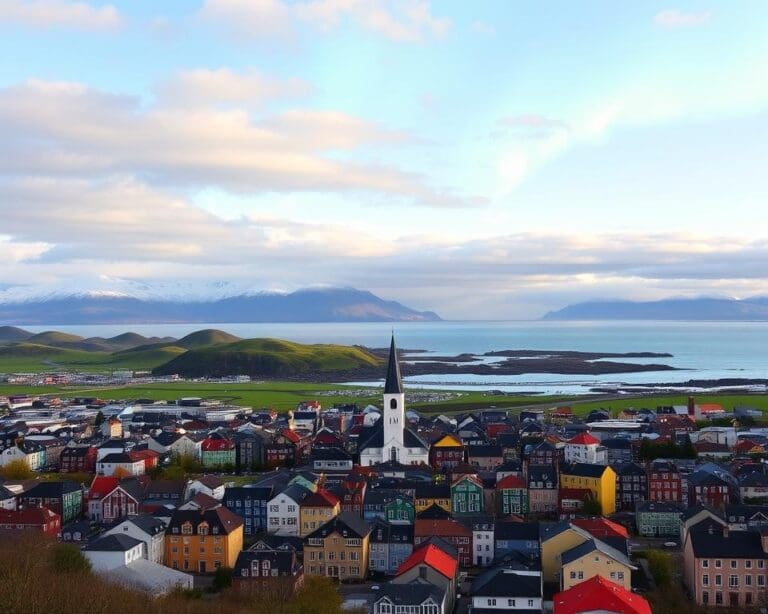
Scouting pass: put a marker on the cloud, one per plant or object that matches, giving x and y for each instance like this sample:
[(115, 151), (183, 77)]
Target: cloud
[(399, 20), (68, 129), (673, 19), (58, 13), (212, 87)]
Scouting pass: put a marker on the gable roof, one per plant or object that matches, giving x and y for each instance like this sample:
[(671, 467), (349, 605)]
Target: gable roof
[(599, 594), (434, 557), (586, 470), (321, 498), (413, 593), (592, 545), (393, 383), (113, 543), (346, 524), (511, 481), (713, 542), (504, 582), (601, 527), (584, 439)]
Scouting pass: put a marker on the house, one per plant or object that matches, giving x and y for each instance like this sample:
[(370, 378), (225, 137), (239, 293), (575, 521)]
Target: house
[(338, 549), (743, 517), (507, 590), (599, 595), (203, 540), (708, 488), (118, 558), (389, 545), (446, 452), (64, 498), (389, 439), (78, 459), (600, 480), (542, 453), (618, 449), (218, 451), (427, 494), (208, 485), (176, 444), (412, 598), (543, 489), (352, 493), (631, 485), (724, 568), (7, 499), (150, 458), (557, 538), (522, 537), (483, 543), (585, 448), (272, 570), (29, 452), (700, 516), (658, 518), (148, 530), (433, 563), (511, 496), (753, 487), (451, 531), (284, 510), (485, 457), (36, 519), (331, 459), (163, 494), (250, 449), (111, 498), (467, 497), (120, 464), (250, 503), (595, 558), (664, 482), (317, 509)]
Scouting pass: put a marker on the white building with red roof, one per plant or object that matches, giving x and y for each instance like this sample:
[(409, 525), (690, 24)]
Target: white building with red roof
[(599, 595), (585, 448)]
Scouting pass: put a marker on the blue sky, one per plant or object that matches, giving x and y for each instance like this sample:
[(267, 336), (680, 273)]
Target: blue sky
[(482, 159)]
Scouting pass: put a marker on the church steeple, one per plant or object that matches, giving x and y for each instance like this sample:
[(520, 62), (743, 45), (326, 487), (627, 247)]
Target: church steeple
[(393, 384)]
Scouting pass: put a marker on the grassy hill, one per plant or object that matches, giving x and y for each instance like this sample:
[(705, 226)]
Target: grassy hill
[(13, 334), (54, 338), (208, 336), (36, 357), (267, 358)]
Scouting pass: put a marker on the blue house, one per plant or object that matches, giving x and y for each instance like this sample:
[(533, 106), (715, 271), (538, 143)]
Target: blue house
[(520, 537), (388, 546), (250, 503)]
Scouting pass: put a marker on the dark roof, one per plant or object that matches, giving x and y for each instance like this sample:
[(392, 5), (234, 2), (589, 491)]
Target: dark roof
[(506, 583), (427, 490), (166, 438), (52, 490), (346, 524), (586, 470), (528, 531), (149, 524), (283, 560), (393, 383), (628, 469), (660, 507), (249, 491), (216, 517), (373, 437), (736, 545), (113, 543), (434, 511), (413, 593), (590, 546), (117, 457), (330, 453)]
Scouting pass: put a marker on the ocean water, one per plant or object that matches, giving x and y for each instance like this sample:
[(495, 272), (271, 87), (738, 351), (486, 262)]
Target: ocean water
[(705, 350)]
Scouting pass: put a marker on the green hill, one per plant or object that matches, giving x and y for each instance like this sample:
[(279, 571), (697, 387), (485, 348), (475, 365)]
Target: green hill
[(54, 338), (143, 357), (267, 358), (35, 357), (12, 334), (208, 336)]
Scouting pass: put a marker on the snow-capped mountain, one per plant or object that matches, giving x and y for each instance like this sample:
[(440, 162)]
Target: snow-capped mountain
[(119, 301)]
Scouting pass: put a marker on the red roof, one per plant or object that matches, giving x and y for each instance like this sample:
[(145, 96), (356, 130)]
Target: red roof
[(442, 527), (321, 498), (143, 454), (431, 555), (290, 435), (599, 594), (511, 481), (102, 486), (216, 444), (30, 516), (584, 439), (601, 527)]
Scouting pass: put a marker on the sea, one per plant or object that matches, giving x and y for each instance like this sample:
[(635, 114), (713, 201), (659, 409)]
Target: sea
[(702, 350)]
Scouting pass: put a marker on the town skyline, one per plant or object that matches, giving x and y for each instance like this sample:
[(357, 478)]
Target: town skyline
[(482, 161)]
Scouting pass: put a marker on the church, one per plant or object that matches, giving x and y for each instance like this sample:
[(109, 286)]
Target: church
[(389, 439)]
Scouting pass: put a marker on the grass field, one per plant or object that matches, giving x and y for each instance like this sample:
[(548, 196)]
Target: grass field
[(285, 395)]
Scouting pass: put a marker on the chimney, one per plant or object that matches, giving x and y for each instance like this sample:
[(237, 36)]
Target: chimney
[(691, 407)]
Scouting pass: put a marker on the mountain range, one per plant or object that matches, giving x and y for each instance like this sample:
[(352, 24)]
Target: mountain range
[(146, 307), (755, 308)]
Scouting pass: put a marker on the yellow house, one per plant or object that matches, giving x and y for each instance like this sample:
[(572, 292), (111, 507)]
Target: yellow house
[(316, 510), (429, 494), (556, 539), (600, 480), (202, 540), (338, 549), (595, 558)]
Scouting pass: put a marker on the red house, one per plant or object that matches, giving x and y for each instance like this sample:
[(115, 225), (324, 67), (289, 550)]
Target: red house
[(664, 482), (78, 459), (599, 595), (111, 498), (447, 452), (39, 519), (601, 527), (352, 493), (451, 531), (150, 458)]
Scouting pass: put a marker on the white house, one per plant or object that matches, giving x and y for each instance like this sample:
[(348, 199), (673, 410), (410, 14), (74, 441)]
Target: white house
[(507, 590), (483, 542), (113, 551), (584, 448), (208, 485), (389, 439), (121, 463), (176, 444), (27, 451), (283, 510), (146, 529)]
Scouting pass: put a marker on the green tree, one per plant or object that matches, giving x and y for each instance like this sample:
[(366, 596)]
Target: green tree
[(99, 419), (67, 558), (660, 566)]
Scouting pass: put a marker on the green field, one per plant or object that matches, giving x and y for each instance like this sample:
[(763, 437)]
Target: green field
[(282, 396)]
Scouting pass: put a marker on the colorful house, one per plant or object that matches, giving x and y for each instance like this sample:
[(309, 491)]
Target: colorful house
[(250, 503), (585, 448), (467, 496), (595, 558), (203, 540), (664, 482), (428, 494), (36, 519), (317, 509), (217, 451), (78, 459), (112, 498), (600, 480), (511, 496), (599, 595), (430, 563), (338, 549), (446, 452), (452, 531), (658, 518), (63, 498), (389, 546)]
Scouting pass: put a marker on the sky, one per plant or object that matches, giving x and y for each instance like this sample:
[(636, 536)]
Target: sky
[(485, 159)]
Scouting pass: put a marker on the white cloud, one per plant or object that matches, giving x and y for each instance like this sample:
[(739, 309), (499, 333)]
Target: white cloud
[(673, 19), (58, 13), (399, 20)]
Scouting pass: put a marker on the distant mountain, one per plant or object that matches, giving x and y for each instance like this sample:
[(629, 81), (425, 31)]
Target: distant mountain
[(309, 305), (755, 308), (11, 334)]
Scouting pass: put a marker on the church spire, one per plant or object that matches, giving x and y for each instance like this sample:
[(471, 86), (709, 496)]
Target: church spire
[(394, 384)]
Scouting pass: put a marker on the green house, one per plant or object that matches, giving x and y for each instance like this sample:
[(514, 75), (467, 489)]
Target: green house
[(467, 496), (400, 510), (511, 496)]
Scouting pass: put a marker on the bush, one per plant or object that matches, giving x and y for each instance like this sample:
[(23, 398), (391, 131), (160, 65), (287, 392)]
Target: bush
[(222, 579), (660, 566), (67, 558), (17, 470)]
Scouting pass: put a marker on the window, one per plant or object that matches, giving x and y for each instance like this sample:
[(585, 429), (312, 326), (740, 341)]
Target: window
[(760, 563), (733, 581), (734, 564), (705, 563), (747, 580), (718, 580), (705, 597), (718, 563), (748, 564), (530, 603), (705, 580), (761, 581), (491, 602)]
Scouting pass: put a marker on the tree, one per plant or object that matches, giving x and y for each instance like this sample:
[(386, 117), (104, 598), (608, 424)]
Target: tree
[(18, 469), (660, 566), (592, 507), (67, 558), (222, 578), (99, 419)]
